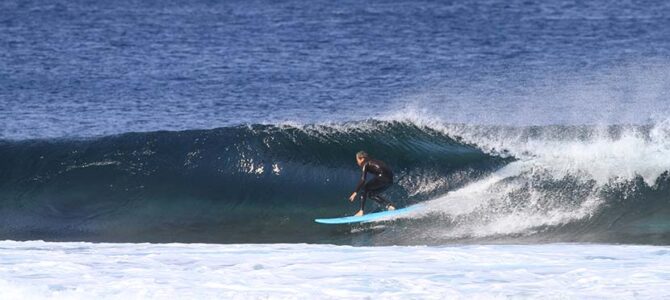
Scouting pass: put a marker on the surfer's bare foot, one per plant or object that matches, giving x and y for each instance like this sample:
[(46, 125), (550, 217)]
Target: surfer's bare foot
[(359, 213), (390, 207)]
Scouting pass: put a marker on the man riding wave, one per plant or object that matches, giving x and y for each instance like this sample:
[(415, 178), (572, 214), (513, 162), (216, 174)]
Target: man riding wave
[(383, 179)]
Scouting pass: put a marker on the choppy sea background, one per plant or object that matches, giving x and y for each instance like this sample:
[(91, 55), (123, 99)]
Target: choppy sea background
[(183, 148)]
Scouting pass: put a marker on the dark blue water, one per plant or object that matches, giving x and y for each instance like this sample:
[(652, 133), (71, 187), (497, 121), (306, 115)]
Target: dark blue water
[(83, 68), (181, 121)]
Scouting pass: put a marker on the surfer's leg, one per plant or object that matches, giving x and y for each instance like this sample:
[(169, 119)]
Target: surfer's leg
[(363, 198), (383, 202), (378, 184), (373, 189)]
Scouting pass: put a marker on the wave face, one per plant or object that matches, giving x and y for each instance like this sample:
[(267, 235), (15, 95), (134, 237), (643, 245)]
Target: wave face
[(266, 183), (258, 183)]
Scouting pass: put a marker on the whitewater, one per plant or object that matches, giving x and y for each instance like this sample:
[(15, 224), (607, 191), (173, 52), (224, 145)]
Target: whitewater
[(300, 271)]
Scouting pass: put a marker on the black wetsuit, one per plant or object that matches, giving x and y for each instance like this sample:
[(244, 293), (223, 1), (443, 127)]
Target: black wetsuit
[(382, 180)]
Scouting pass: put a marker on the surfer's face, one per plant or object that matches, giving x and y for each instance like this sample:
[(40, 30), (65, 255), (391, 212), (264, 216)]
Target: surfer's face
[(359, 161)]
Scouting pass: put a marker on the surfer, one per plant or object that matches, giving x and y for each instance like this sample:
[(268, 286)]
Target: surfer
[(383, 179)]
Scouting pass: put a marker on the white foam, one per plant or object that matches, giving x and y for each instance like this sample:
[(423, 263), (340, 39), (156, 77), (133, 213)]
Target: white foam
[(601, 157), (42, 270), (493, 205)]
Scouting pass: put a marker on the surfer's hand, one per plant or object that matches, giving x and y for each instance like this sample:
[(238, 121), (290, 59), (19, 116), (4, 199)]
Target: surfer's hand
[(352, 197)]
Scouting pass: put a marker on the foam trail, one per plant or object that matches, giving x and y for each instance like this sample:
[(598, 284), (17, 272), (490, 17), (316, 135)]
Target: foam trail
[(492, 206), (469, 198)]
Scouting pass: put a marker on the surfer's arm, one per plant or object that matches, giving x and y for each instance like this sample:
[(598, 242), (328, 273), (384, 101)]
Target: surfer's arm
[(360, 184), (362, 181)]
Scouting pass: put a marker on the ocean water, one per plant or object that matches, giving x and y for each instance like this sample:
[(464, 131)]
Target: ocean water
[(194, 143), (89, 68)]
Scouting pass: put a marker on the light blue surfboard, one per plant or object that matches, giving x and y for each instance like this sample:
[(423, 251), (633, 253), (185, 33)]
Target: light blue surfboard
[(378, 216)]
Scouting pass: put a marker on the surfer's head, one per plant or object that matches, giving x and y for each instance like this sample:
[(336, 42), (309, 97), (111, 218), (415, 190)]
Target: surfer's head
[(361, 157)]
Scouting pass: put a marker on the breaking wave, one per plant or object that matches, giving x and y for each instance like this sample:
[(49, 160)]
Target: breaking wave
[(266, 183)]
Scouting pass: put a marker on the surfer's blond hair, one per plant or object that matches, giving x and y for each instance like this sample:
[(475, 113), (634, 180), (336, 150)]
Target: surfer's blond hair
[(362, 154)]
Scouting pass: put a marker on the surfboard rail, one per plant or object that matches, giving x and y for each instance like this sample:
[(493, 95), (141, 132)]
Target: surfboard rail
[(372, 217)]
